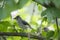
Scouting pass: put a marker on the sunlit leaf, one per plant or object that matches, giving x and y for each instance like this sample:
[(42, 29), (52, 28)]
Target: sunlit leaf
[(4, 26)]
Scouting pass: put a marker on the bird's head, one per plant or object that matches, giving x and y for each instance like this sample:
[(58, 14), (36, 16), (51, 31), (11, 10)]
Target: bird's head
[(16, 17)]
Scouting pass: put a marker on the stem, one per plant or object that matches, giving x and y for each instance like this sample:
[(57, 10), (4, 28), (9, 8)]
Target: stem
[(39, 29), (57, 25), (57, 28), (33, 10)]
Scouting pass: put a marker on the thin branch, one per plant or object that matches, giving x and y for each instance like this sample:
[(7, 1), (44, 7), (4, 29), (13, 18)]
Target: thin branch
[(57, 24), (57, 28), (51, 4), (19, 34), (33, 10), (39, 29)]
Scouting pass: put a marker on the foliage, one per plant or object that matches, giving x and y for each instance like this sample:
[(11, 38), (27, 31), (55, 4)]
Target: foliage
[(40, 23)]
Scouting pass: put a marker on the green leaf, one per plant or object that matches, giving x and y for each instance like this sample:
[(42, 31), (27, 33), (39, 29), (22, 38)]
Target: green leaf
[(40, 1), (3, 13), (0, 0), (50, 34), (51, 13), (9, 6), (16, 1), (58, 35), (40, 7), (47, 13), (43, 13), (12, 5), (56, 3), (45, 19), (44, 33), (4, 25), (47, 1), (22, 3), (43, 1), (49, 16)]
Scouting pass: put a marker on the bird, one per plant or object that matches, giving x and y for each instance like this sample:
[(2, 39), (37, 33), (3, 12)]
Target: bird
[(22, 23)]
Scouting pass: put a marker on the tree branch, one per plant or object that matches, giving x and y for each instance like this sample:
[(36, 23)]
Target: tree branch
[(51, 4), (19, 34)]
